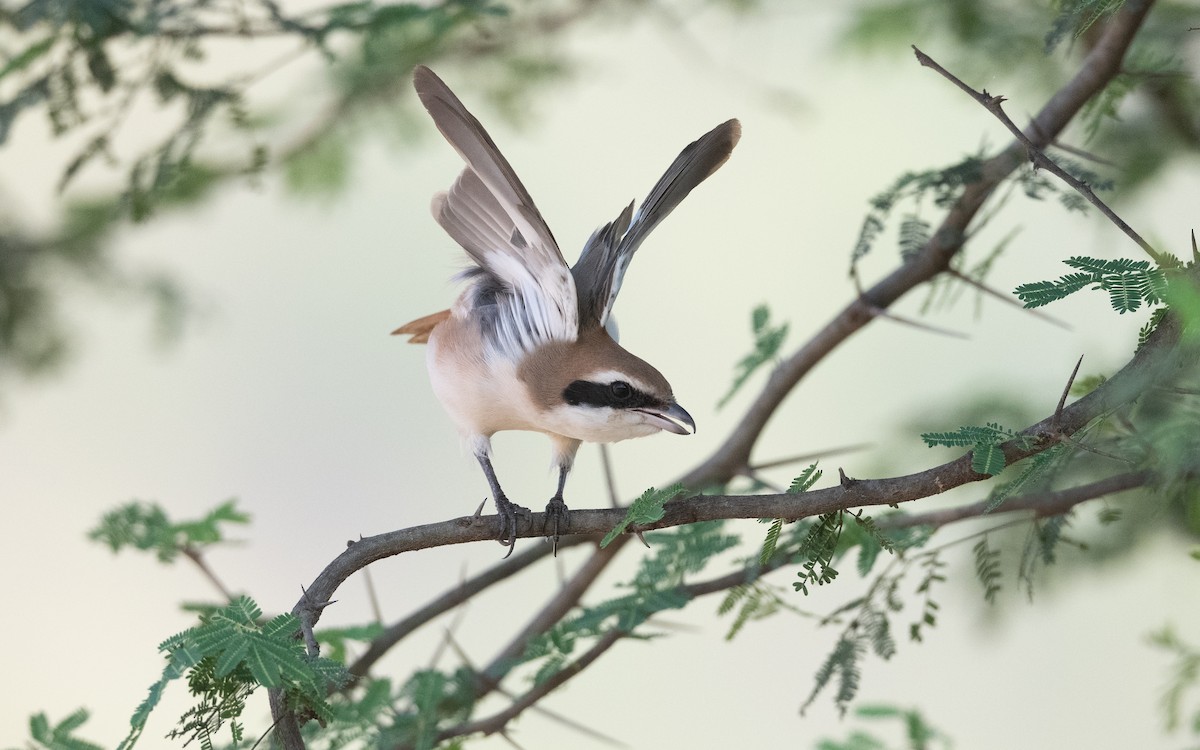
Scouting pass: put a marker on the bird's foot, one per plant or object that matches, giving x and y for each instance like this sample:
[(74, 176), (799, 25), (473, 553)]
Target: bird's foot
[(557, 520), (508, 512)]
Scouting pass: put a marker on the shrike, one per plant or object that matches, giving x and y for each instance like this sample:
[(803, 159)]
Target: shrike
[(525, 346)]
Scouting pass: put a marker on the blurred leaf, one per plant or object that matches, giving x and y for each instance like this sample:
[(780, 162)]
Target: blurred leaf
[(26, 57), (322, 168)]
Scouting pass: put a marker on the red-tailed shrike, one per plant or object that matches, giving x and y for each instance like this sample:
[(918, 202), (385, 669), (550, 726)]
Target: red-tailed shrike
[(525, 346)]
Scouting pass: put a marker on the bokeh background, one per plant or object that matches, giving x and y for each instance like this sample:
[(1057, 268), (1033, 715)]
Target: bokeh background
[(284, 390)]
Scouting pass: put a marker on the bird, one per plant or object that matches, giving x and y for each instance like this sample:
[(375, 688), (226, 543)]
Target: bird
[(529, 342)]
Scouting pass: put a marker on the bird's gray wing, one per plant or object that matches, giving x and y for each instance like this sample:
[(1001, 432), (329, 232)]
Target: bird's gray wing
[(490, 214), (601, 267)]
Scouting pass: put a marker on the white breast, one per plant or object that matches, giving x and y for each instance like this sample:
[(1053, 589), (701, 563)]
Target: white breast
[(482, 397)]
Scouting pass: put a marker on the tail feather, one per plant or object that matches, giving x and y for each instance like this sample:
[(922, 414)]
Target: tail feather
[(418, 330)]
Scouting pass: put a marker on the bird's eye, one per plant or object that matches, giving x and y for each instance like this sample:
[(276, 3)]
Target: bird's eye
[(620, 390)]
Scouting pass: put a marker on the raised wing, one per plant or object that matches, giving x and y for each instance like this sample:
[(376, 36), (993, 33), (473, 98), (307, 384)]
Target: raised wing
[(601, 267), (528, 287)]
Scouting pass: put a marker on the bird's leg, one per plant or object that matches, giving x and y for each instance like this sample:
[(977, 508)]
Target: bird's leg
[(557, 520), (505, 508)]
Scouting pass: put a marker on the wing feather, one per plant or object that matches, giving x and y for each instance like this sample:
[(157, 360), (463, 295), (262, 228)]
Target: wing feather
[(601, 267), (491, 215)]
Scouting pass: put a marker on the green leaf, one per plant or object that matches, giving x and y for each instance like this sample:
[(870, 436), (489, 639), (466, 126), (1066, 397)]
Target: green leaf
[(807, 479), (1129, 283), (933, 574), (767, 341), (914, 235), (769, 544), (843, 663), (817, 550), (987, 569), (61, 736), (1151, 325), (679, 552), (987, 458), (145, 526), (645, 510), (939, 185), (971, 435), (1184, 677), (227, 657)]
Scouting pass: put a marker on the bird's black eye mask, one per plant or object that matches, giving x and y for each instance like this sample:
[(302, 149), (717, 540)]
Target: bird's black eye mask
[(617, 395)]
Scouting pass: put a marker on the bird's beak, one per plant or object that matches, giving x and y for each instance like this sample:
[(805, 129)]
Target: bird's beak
[(669, 419)]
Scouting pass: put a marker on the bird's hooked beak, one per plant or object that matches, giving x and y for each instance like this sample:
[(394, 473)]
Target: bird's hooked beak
[(669, 418)]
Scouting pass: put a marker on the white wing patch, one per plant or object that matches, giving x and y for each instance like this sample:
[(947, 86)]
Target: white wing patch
[(542, 303)]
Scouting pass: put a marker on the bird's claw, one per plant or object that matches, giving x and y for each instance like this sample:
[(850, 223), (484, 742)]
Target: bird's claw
[(557, 521), (508, 512)]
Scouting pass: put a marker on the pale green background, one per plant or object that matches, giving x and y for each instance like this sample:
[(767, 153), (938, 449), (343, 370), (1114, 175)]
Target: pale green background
[(288, 393)]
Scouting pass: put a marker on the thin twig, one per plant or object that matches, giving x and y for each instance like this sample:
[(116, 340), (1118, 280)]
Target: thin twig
[(197, 558), (1006, 298), (372, 596), (500, 719), (775, 463), (994, 104), (610, 481), (882, 312), (554, 716)]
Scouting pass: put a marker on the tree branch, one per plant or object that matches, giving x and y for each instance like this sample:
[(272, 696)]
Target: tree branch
[(1043, 504)]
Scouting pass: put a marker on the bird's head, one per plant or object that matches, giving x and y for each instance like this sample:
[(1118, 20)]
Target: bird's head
[(594, 390)]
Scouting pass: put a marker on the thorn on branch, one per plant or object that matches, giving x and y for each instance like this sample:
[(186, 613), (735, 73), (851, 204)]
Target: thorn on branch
[(846, 482), (993, 101), (314, 606), (1062, 402)]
